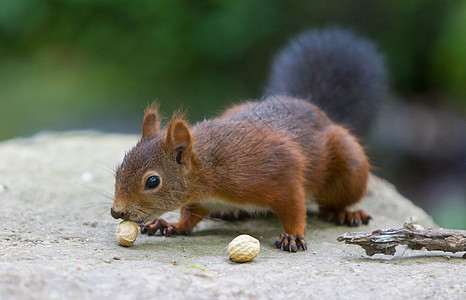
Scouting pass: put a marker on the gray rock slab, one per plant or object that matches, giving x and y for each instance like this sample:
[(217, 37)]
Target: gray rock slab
[(57, 240)]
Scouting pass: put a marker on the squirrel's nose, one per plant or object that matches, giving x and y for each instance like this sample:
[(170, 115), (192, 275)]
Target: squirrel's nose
[(117, 214)]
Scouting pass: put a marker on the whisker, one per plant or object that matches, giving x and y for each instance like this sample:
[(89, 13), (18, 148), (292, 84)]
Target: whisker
[(144, 212), (99, 215), (90, 204), (108, 168), (204, 217), (157, 208), (99, 191)]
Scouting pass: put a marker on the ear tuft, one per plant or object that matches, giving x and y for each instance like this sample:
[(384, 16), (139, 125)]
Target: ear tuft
[(179, 139), (151, 122)]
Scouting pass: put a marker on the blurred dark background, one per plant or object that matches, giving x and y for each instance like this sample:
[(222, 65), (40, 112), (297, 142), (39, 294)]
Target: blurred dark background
[(95, 64)]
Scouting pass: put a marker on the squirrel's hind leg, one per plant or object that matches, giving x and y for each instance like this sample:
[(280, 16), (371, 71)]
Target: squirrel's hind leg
[(346, 182)]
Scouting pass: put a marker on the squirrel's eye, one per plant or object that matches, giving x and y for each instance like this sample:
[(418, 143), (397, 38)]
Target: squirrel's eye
[(152, 182)]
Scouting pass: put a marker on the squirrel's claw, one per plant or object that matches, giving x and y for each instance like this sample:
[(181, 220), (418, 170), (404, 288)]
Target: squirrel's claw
[(154, 226), (165, 228), (170, 230), (344, 217), (291, 243), (301, 242)]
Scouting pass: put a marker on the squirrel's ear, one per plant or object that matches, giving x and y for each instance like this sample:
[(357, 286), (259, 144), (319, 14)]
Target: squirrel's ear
[(151, 122), (178, 139)]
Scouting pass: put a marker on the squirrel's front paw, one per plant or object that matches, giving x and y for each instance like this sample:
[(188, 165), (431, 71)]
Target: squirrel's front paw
[(165, 228), (289, 242)]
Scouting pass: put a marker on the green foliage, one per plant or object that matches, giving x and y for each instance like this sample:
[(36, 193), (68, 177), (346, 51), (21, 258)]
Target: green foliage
[(448, 69), (96, 63)]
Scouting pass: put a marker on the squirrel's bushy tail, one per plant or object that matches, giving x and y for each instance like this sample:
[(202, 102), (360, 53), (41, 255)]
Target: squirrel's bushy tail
[(338, 71)]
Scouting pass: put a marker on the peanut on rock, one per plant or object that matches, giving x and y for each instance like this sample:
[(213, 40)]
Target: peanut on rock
[(126, 233), (243, 248)]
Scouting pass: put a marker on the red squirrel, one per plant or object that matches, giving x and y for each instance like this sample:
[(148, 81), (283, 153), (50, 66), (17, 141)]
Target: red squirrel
[(268, 154)]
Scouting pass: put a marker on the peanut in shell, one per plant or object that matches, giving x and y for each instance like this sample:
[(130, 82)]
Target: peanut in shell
[(126, 233), (243, 248)]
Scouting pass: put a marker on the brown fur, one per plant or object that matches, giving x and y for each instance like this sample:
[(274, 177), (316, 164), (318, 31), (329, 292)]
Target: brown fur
[(270, 154)]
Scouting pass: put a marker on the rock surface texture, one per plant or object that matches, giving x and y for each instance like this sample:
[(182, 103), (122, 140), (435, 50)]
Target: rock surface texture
[(57, 240)]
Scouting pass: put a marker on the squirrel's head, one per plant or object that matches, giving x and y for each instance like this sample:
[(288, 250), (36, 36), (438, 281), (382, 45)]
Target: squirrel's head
[(156, 174)]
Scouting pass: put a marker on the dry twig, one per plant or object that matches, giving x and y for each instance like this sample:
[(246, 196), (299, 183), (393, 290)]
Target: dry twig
[(413, 235)]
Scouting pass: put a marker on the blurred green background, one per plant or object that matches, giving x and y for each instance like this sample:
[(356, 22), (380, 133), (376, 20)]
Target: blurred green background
[(82, 64)]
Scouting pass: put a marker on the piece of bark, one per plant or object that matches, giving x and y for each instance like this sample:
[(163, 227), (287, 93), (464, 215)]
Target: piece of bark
[(412, 235)]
